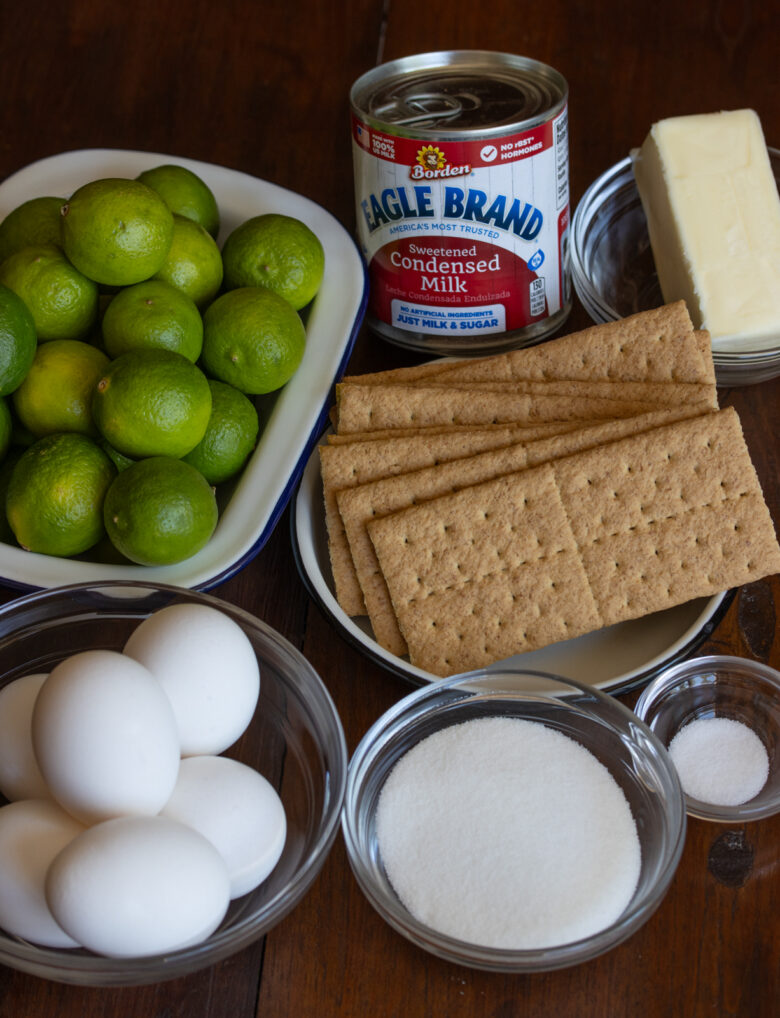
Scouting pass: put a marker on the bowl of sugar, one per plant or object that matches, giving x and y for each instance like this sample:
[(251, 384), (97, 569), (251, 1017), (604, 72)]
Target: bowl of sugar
[(719, 718), (512, 820)]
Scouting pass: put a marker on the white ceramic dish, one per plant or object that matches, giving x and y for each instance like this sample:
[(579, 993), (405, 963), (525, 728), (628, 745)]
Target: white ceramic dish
[(615, 659), (292, 419)]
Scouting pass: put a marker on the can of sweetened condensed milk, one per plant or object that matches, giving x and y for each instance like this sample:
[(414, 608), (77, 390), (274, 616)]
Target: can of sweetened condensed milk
[(462, 191)]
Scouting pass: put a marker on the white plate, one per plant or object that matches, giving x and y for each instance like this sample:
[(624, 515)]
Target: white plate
[(293, 419), (615, 659)]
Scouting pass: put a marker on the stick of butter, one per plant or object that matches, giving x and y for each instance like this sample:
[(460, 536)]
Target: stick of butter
[(713, 216)]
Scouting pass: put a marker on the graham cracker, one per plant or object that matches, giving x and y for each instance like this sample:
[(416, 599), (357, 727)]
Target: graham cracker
[(551, 428), (652, 346), (369, 407), (521, 522), (704, 343), (668, 394), (405, 375), (555, 551), (359, 505), (659, 345), (343, 466)]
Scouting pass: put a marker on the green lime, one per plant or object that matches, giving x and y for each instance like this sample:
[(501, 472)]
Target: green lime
[(152, 314), (160, 511), (276, 251), (57, 393), (18, 340), (62, 301), (185, 194), (230, 436), (252, 339), (116, 231), (152, 403), (36, 221), (193, 264), (6, 427), (55, 496)]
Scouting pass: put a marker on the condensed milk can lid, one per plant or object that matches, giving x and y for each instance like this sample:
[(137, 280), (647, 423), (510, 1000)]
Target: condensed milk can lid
[(459, 92)]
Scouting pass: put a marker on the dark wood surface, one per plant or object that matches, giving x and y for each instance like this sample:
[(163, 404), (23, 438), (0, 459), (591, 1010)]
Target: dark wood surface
[(263, 87)]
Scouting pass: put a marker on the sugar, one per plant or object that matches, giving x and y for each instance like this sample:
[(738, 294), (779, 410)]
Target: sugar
[(506, 833), (719, 761)]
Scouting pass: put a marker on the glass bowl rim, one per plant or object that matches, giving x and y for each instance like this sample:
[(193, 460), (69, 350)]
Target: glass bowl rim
[(594, 302), (96, 970), (370, 748), (648, 699)]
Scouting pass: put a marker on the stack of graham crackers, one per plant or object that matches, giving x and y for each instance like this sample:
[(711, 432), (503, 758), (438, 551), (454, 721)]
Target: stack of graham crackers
[(478, 509)]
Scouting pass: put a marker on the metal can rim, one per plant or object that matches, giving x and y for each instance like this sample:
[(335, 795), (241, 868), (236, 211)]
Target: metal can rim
[(367, 83)]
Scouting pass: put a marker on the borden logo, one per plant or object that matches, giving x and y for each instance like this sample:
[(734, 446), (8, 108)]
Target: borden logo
[(432, 164)]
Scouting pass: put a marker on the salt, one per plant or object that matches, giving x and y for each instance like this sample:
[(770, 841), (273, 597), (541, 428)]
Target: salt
[(508, 834), (719, 761)]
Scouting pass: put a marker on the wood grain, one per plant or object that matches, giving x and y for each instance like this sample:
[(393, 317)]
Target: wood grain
[(263, 88)]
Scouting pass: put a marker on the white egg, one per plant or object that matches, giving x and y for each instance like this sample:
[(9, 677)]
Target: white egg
[(105, 737), (137, 886), (208, 668), (237, 810), (20, 775), (32, 833)]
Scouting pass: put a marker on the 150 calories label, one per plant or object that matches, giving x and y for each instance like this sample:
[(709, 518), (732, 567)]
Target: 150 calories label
[(465, 236)]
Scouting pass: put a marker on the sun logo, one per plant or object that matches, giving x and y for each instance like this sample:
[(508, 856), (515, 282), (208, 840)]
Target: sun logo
[(431, 157)]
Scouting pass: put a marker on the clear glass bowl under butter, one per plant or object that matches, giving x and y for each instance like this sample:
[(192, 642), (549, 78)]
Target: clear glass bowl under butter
[(632, 754), (295, 740), (614, 272)]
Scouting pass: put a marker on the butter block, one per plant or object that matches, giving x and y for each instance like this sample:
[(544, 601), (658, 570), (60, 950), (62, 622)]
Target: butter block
[(713, 216)]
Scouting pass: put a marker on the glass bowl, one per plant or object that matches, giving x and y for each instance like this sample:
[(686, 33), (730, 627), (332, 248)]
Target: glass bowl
[(295, 740), (720, 686), (628, 749), (614, 273)]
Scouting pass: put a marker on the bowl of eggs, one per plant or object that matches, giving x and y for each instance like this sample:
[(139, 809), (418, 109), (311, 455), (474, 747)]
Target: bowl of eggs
[(172, 773)]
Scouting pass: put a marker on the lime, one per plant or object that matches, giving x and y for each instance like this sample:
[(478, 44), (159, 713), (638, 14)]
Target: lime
[(152, 314), (62, 301), (116, 231), (6, 428), (57, 393), (184, 193), (55, 496), (152, 403), (160, 511), (18, 340), (252, 339), (36, 221), (276, 251), (230, 436), (193, 264)]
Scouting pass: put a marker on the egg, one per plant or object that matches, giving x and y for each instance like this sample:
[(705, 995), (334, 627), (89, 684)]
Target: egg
[(239, 812), (32, 834), (105, 737), (20, 775), (137, 886), (208, 668)]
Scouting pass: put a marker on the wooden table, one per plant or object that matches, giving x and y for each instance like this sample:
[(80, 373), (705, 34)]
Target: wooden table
[(263, 87)]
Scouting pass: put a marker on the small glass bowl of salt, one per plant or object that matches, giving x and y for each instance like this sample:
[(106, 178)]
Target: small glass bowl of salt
[(513, 821), (719, 718)]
